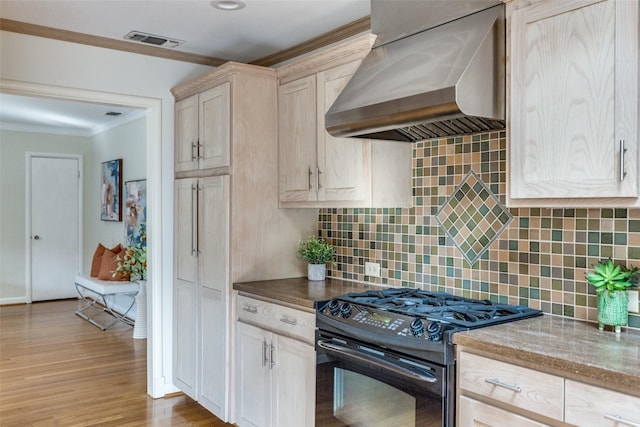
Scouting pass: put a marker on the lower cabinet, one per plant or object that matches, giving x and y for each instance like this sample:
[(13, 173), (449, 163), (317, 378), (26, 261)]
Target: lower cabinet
[(474, 414), (495, 394), (275, 373), (592, 406)]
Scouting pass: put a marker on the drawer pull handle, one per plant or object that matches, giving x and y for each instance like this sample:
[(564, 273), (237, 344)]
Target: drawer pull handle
[(250, 309), (499, 383), (619, 419), (289, 321)]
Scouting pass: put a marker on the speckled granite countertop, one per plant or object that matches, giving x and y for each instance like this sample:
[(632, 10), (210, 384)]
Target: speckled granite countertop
[(300, 291), (565, 347)]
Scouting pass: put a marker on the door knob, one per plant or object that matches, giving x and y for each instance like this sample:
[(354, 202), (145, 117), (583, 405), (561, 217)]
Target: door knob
[(36, 237)]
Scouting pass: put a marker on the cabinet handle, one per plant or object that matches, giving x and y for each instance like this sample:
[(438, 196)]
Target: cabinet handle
[(194, 209), (265, 356), (250, 308), (318, 172), (499, 383), (619, 419), (288, 321), (194, 147), (623, 150), (309, 179), (272, 361)]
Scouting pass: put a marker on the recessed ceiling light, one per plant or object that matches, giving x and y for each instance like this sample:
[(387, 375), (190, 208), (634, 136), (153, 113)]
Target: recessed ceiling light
[(228, 4)]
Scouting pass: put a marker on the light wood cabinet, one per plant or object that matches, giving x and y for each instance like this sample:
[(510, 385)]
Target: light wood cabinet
[(211, 250), (497, 393), (591, 406), (202, 128), (276, 365), (474, 414), (573, 118), (318, 170), (514, 385), (200, 306)]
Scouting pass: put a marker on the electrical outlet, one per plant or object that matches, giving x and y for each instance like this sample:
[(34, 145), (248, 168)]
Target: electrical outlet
[(372, 269), (633, 302)]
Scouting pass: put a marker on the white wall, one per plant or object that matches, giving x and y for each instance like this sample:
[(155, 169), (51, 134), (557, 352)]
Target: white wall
[(126, 142), (43, 61), (13, 148)]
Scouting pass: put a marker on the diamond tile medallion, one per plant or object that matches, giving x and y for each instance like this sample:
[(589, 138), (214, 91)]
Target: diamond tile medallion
[(473, 217)]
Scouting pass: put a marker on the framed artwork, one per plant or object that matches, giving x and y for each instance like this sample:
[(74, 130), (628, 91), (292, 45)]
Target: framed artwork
[(135, 208), (111, 190)]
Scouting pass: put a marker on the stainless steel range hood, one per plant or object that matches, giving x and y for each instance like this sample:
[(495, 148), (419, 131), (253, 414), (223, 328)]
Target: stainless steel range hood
[(437, 69)]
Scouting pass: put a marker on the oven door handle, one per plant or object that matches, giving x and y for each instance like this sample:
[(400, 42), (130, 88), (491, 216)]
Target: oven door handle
[(362, 357)]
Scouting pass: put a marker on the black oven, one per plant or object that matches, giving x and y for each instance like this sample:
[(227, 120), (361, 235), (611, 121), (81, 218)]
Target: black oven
[(358, 384), (386, 357)]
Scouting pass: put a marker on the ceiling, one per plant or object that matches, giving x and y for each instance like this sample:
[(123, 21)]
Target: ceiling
[(260, 29)]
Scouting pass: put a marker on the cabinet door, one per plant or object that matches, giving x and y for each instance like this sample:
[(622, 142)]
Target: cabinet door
[(472, 413), (213, 239), (574, 99), (294, 367), (185, 298), (213, 352), (215, 127), (186, 134), (254, 376), (213, 244), (344, 163), (297, 140)]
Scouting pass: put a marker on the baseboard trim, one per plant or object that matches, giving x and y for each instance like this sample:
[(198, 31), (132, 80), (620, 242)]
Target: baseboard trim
[(13, 301)]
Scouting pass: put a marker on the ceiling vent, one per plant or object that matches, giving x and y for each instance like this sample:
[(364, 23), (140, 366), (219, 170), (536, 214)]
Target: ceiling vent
[(138, 36)]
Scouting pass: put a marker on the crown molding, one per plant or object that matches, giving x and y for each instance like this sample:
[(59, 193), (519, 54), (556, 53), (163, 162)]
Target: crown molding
[(97, 41), (339, 34)]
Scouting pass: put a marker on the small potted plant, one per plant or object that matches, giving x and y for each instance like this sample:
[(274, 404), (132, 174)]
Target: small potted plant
[(134, 263), (134, 260), (612, 283), (318, 253)]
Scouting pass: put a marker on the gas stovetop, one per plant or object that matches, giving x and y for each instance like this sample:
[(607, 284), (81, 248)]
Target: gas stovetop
[(412, 319)]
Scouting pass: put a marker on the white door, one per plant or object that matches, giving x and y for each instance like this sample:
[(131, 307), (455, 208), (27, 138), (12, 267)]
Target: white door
[(55, 227)]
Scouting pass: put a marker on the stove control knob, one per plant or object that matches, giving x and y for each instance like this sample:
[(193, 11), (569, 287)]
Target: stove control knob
[(334, 307), (345, 310), (417, 328), (434, 331)]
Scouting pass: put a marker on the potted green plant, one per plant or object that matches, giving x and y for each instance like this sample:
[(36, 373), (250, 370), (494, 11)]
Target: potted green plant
[(318, 253), (612, 282), (134, 263)]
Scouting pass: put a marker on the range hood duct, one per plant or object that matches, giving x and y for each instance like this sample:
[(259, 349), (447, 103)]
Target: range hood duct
[(448, 79)]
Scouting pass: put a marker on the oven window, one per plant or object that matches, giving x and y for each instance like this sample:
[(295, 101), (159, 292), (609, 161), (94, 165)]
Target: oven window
[(359, 400)]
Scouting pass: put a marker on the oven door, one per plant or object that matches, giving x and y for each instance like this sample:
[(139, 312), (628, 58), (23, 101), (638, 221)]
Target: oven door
[(362, 385)]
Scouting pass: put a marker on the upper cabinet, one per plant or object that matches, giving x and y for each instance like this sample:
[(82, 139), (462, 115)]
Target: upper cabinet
[(318, 170), (202, 130), (573, 103)]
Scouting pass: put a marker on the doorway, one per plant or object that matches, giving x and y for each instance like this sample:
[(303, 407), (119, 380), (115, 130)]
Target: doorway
[(159, 295), (54, 225)]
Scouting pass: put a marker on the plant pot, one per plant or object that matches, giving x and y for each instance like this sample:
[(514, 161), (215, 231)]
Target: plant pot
[(612, 309), (316, 272), (140, 325)]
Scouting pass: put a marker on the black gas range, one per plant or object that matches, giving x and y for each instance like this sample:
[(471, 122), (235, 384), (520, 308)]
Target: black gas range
[(401, 338)]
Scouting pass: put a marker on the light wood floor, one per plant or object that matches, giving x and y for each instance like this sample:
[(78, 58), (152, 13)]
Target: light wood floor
[(59, 370)]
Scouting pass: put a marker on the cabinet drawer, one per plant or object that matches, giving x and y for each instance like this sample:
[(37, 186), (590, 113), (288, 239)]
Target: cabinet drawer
[(473, 413), (588, 406), (514, 385), (277, 318)]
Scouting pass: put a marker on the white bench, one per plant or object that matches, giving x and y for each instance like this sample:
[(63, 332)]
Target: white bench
[(93, 290)]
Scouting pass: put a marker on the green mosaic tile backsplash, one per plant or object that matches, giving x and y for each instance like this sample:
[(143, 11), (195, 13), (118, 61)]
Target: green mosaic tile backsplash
[(539, 260)]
